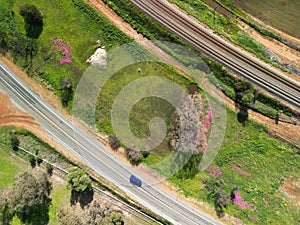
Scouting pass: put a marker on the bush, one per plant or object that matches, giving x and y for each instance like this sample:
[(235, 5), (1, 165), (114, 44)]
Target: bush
[(145, 153), (32, 161), (49, 168), (274, 103), (264, 109), (134, 156), (116, 218), (114, 142), (14, 141)]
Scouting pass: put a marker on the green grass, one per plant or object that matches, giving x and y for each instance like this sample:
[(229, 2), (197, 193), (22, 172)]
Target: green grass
[(60, 195), (144, 110), (268, 162), (10, 166), (273, 11), (79, 25)]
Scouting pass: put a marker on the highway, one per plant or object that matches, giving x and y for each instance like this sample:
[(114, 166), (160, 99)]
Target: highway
[(240, 62), (96, 156)]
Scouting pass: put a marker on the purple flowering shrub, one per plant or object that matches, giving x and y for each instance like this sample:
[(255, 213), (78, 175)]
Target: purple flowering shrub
[(238, 200), (63, 47), (214, 170), (206, 113)]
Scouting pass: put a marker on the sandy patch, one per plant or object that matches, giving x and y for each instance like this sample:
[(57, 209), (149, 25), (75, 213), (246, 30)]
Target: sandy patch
[(291, 188), (285, 54), (277, 31)]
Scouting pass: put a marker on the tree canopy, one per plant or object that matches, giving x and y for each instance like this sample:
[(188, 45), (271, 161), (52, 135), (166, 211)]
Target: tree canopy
[(78, 180), (29, 197)]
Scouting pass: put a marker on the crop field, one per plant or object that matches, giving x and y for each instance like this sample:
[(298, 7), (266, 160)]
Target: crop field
[(281, 14)]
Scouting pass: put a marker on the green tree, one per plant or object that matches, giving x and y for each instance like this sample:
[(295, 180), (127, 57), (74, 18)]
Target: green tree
[(6, 213), (244, 93), (78, 180), (116, 218), (247, 99), (29, 197), (67, 216)]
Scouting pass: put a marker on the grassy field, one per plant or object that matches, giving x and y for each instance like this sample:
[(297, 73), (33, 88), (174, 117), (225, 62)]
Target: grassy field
[(78, 25), (144, 110), (281, 14), (265, 163), (10, 166)]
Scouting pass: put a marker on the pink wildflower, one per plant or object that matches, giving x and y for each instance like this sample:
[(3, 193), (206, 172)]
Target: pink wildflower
[(240, 170), (100, 120), (63, 47), (65, 60), (251, 217), (238, 200), (214, 170), (266, 202)]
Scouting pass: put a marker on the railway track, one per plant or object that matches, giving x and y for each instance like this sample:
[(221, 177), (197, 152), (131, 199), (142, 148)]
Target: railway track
[(240, 62)]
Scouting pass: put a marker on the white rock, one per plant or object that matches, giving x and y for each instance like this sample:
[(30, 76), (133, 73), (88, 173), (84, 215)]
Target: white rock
[(99, 58)]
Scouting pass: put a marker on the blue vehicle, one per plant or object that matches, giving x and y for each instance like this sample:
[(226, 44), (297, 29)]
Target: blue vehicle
[(135, 181)]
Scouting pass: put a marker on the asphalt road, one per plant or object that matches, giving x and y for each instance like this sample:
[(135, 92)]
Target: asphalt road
[(96, 156), (240, 62)]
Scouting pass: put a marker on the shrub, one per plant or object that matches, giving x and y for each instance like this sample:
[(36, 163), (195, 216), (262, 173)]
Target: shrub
[(134, 156), (114, 142), (247, 99), (78, 180), (49, 168), (116, 218), (264, 109), (14, 141), (32, 161)]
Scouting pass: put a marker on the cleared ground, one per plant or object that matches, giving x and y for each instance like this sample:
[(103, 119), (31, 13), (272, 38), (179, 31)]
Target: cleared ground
[(281, 14)]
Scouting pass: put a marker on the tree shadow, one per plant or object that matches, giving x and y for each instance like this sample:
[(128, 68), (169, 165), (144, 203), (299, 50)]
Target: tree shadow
[(242, 115), (34, 30), (38, 216), (84, 198)]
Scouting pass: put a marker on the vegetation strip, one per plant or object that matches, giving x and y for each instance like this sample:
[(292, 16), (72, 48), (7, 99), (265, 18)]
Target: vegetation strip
[(125, 201), (252, 24)]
